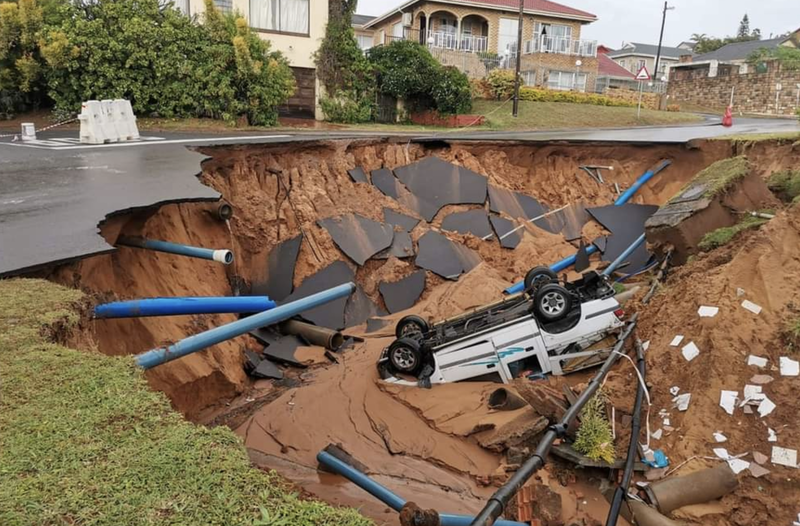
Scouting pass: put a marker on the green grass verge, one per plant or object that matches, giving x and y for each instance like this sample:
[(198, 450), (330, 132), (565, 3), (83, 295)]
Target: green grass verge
[(555, 115), (785, 183), (778, 137), (723, 236), (84, 441), (721, 175)]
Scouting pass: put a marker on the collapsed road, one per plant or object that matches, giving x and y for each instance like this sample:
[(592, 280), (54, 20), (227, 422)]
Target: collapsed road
[(444, 448)]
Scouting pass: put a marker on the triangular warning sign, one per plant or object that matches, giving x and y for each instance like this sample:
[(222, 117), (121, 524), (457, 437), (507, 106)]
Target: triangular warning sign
[(643, 74)]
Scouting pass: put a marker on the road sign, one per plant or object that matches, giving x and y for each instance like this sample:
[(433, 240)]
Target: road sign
[(643, 74)]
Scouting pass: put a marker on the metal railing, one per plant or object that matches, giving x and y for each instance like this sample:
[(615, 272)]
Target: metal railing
[(452, 41), (561, 45)]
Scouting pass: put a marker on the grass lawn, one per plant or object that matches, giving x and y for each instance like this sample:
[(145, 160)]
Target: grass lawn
[(554, 115), (84, 441)]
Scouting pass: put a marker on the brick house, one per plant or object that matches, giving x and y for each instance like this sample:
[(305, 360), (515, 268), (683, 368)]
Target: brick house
[(477, 36), (633, 55)]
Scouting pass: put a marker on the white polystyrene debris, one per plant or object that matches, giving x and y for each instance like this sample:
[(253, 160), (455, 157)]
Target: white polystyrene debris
[(646, 345), (771, 436), (738, 465), (719, 437), (657, 434), (690, 351), (789, 367), (740, 292), (674, 390), (784, 457), (682, 401), (722, 453), (676, 340), (666, 422), (727, 400), (766, 407), (758, 361), (707, 312), (752, 392), (752, 307)]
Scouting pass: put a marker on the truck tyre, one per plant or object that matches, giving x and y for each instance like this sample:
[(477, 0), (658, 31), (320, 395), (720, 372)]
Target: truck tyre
[(405, 356), (552, 302), (410, 326), (538, 275)]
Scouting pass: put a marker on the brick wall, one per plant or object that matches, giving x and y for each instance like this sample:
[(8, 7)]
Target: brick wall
[(542, 63), (753, 92)]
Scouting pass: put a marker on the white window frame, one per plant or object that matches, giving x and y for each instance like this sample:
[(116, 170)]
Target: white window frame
[(566, 80), (512, 39), (303, 29), (365, 42), (529, 77)]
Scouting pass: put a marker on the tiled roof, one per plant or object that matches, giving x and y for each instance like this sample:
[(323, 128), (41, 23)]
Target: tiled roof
[(540, 5), (636, 48), (738, 50), (608, 68)]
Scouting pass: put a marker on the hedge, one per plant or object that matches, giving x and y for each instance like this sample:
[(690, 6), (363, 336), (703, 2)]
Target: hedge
[(575, 97)]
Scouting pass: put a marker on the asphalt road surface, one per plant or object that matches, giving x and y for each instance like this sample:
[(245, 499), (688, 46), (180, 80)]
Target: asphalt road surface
[(55, 192)]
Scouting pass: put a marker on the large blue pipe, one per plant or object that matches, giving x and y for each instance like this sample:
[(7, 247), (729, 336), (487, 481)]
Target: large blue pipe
[(220, 256), (198, 342), (386, 496), (625, 255), (621, 200), (183, 306)]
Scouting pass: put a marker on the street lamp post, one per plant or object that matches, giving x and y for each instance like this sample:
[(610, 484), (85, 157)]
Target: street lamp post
[(578, 65), (661, 37)]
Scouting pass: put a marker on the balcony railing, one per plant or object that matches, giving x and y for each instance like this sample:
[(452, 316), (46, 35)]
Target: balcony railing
[(468, 43), (561, 45)]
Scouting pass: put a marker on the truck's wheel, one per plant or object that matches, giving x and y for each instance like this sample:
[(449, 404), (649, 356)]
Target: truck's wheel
[(539, 275), (405, 355), (411, 325), (552, 302)]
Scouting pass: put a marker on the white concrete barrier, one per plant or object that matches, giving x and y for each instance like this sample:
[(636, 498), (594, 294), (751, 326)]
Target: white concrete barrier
[(125, 111), (107, 121)]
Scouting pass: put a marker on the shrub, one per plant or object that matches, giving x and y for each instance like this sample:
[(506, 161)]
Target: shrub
[(501, 83), (481, 89), (594, 438), (723, 236), (673, 107), (451, 92), (575, 97), (785, 183), (21, 66), (347, 108), (164, 63)]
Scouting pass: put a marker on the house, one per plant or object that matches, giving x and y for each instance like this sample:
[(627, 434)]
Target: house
[(295, 28), (688, 45), (477, 36), (611, 75), (713, 80), (365, 37), (633, 56)]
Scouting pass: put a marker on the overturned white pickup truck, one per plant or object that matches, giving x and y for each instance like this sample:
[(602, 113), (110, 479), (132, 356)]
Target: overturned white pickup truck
[(548, 328)]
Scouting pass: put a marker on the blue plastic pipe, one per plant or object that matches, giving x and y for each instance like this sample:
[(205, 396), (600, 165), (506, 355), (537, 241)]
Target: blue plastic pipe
[(183, 306), (649, 174), (621, 200), (198, 342), (386, 496), (220, 256), (625, 255)]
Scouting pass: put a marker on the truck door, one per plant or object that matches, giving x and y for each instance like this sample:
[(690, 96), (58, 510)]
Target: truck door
[(518, 342)]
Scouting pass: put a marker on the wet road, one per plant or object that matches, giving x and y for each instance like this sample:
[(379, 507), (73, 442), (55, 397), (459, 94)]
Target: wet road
[(55, 193)]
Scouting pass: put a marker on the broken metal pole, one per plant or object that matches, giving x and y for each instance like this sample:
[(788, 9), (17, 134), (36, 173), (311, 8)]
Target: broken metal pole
[(198, 342), (625, 255), (223, 256), (385, 495), (621, 200), (183, 306), (633, 446), (321, 336), (497, 503)]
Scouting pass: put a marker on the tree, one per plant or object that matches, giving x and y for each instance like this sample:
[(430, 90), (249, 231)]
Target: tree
[(21, 71), (744, 28)]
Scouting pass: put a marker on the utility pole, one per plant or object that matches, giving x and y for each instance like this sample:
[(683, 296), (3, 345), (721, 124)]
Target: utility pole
[(519, 58), (661, 38)]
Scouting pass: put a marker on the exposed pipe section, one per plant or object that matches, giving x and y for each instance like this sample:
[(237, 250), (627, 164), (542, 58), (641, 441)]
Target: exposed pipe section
[(696, 488), (504, 400), (198, 342), (633, 445), (183, 306), (591, 249), (497, 503), (644, 515), (221, 256), (385, 495), (625, 255), (321, 336)]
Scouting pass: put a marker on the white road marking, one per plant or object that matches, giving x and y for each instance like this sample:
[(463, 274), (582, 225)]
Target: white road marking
[(52, 144)]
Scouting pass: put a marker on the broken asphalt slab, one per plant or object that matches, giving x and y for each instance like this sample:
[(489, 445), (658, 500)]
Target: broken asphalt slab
[(280, 270), (444, 257), (626, 224), (401, 295), (330, 315), (402, 247), (436, 183), (357, 175), (521, 206), (385, 181), (358, 237), (506, 232), (403, 221), (475, 222), (360, 308)]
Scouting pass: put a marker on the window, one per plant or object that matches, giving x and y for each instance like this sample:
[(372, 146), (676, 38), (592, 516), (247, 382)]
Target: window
[(285, 16), (364, 42), (566, 80), (226, 6), (639, 65), (447, 25), (554, 38), (622, 62), (529, 77), (507, 39), (397, 30)]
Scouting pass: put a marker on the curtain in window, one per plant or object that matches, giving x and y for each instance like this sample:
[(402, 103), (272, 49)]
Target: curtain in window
[(290, 16)]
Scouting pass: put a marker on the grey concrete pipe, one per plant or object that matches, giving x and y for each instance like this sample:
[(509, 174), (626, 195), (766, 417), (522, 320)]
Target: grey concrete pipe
[(504, 400), (697, 488), (644, 515), (314, 335)]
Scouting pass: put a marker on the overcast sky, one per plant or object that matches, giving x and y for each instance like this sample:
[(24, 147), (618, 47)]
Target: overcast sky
[(640, 20)]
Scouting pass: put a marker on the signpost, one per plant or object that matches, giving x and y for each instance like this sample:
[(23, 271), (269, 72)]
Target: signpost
[(642, 77)]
